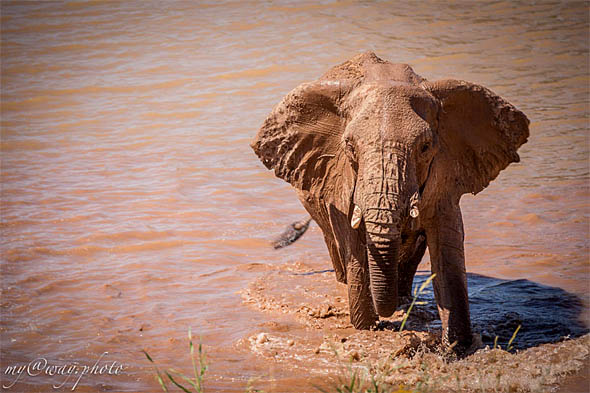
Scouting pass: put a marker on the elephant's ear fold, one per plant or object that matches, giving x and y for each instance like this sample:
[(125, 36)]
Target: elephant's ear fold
[(301, 139), (479, 134)]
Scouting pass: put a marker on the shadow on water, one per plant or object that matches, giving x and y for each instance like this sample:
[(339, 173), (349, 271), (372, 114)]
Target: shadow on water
[(313, 272), (546, 314)]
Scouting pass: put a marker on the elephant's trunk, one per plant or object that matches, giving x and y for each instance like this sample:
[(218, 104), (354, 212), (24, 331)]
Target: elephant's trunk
[(386, 204), (383, 243)]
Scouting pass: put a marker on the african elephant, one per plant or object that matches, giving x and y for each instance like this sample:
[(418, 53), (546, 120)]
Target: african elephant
[(380, 158)]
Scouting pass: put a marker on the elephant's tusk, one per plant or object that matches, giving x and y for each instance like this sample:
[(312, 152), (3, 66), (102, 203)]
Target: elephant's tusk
[(414, 200), (357, 215)]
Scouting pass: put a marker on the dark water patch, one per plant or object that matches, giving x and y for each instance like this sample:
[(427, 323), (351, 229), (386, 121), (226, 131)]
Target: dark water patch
[(546, 314), (313, 272)]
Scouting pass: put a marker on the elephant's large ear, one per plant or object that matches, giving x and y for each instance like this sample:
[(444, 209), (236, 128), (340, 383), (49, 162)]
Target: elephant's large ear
[(301, 141), (479, 134)]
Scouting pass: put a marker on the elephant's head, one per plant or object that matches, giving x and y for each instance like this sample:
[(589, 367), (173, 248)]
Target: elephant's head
[(376, 144)]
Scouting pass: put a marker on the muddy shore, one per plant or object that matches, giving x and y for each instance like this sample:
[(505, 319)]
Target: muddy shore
[(309, 330)]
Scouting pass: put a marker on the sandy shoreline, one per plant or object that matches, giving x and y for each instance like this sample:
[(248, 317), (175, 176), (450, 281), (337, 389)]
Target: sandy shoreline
[(325, 342)]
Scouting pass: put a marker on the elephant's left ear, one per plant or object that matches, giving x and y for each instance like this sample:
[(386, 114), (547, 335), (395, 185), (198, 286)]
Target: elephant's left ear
[(479, 134), (301, 141)]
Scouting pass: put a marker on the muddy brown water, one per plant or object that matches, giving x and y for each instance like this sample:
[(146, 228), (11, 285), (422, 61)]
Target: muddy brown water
[(133, 207)]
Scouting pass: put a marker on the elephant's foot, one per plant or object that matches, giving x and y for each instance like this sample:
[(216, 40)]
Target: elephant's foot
[(460, 350)]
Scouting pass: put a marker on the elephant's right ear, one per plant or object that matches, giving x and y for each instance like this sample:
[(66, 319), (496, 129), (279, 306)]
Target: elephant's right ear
[(301, 141), (479, 133)]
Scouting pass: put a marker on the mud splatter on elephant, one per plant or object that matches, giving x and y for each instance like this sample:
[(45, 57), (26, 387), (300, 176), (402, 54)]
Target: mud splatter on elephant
[(380, 158)]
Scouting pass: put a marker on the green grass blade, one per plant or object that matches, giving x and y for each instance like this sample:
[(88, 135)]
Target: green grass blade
[(161, 381), (406, 315), (425, 283), (190, 341), (157, 376), (197, 380), (202, 359), (176, 383), (147, 356), (417, 292), (192, 347), (512, 338), (186, 378), (375, 385)]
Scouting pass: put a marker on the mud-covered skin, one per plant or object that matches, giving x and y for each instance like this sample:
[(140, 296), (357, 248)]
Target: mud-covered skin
[(380, 158)]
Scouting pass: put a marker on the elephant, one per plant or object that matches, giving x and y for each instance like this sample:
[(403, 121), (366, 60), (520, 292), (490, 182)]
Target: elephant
[(380, 158)]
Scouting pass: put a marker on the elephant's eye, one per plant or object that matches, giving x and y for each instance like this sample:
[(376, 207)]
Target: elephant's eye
[(425, 147)]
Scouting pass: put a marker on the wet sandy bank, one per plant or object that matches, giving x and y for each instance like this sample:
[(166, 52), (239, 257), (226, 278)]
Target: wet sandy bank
[(309, 330)]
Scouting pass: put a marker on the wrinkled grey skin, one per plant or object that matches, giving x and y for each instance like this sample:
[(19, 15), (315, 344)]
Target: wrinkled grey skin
[(375, 135)]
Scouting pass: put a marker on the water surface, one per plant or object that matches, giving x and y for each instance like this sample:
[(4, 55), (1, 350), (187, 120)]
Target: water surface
[(133, 207)]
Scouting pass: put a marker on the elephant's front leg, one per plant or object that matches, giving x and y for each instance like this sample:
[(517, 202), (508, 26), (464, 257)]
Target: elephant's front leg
[(445, 244), (407, 268)]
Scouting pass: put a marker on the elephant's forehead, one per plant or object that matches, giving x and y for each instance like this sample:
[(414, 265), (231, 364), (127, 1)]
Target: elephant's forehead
[(394, 100), (398, 113), (387, 72), (390, 90)]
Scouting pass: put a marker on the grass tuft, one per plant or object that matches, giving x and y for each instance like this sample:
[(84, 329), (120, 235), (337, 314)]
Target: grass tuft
[(488, 370), (199, 368), (512, 338), (158, 375), (417, 292)]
